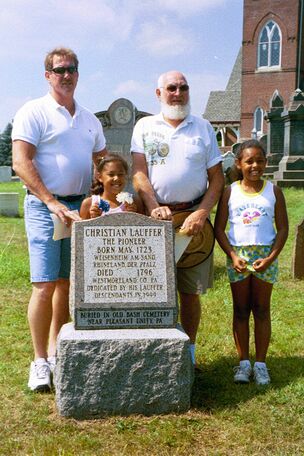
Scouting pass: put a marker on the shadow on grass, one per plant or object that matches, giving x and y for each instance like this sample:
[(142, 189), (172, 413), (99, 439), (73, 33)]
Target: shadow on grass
[(214, 389)]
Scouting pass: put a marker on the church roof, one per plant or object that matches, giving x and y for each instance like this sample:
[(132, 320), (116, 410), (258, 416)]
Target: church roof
[(225, 105)]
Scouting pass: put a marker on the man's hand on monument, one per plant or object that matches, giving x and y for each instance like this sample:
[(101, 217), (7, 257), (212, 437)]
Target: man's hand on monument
[(194, 223), (161, 213), (62, 212)]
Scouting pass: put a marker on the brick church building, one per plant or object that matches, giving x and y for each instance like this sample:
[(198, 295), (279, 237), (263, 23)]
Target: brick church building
[(271, 61)]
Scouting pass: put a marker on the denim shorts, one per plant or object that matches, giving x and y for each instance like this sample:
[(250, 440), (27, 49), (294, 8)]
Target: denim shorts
[(49, 259)]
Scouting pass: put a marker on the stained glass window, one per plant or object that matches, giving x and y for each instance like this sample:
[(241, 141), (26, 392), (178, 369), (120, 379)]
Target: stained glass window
[(258, 120), (269, 51)]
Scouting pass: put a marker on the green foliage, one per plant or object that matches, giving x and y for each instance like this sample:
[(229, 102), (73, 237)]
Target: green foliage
[(6, 146), (225, 419)]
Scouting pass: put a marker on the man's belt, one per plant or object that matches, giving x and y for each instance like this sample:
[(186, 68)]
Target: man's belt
[(67, 198), (183, 206)]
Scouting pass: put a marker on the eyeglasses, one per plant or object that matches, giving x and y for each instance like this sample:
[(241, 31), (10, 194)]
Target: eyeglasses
[(173, 88), (62, 70)]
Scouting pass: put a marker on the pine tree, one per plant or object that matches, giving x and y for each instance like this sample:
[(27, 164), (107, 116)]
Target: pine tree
[(6, 146)]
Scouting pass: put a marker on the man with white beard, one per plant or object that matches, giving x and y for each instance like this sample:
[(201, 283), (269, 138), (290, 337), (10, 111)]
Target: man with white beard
[(177, 167)]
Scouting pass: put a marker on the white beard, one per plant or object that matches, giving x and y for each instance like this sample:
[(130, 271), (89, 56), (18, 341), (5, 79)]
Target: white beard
[(175, 112)]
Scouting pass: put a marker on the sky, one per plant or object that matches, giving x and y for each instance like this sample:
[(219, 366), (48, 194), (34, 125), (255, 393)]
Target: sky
[(122, 46)]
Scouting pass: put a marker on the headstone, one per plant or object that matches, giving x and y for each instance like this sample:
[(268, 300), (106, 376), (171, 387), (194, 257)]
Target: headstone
[(291, 166), (263, 141), (5, 173), (123, 354), (229, 167), (235, 147), (275, 136), (228, 161), (118, 122), (122, 275), (298, 253), (9, 204)]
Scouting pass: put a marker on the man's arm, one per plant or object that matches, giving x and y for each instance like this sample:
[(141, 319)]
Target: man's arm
[(23, 154), (195, 222), (144, 189)]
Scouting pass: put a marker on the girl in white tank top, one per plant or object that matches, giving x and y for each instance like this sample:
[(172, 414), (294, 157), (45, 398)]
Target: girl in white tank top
[(258, 229)]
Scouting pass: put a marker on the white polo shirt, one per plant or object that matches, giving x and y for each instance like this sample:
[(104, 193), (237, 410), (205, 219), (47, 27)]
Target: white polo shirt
[(64, 143), (177, 158)]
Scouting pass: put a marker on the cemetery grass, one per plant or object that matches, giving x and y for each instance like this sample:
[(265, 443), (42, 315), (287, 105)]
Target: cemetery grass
[(225, 419)]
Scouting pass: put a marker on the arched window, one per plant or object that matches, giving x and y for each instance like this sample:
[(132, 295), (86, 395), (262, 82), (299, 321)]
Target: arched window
[(258, 121), (269, 50)]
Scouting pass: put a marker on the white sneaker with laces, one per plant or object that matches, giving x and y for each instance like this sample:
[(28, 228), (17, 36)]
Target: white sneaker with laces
[(242, 374), (261, 376), (40, 376)]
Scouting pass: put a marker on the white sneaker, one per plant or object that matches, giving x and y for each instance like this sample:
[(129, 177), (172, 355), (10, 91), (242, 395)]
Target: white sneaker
[(242, 374), (261, 376), (52, 363), (40, 378)]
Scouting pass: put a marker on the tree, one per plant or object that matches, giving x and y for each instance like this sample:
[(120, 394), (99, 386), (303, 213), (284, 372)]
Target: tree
[(6, 146)]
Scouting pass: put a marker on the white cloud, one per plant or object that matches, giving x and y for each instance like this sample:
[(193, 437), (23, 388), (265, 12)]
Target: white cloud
[(180, 8), (98, 24), (162, 38), (130, 87), (97, 16), (44, 25), (189, 7)]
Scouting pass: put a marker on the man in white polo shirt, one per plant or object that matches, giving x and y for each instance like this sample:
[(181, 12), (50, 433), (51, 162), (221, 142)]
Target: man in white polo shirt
[(54, 142), (177, 166)]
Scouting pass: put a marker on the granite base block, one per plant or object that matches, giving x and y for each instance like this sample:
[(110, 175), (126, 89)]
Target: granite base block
[(122, 372)]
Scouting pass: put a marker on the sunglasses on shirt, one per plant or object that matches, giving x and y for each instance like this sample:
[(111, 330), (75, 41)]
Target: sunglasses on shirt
[(173, 88), (62, 70)]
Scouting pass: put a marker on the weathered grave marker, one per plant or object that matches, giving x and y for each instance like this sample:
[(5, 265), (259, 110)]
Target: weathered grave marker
[(123, 353), (122, 276), (298, 253)]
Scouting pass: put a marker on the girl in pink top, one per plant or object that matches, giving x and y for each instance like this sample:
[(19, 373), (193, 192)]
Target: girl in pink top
[(107, 190)]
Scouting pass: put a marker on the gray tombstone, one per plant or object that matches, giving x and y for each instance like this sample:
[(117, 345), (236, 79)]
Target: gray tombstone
[(9, 204), (124, 353), (118, 122), (291, 166), (263, 141), (229, 168), (298, 253), (275, 136), (234, 147), (5, 173)]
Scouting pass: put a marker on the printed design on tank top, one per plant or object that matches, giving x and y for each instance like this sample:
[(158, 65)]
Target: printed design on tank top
[(251, 213)]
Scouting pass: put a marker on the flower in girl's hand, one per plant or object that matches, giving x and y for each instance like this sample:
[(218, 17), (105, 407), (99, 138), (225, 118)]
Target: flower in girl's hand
[(124, 197), (104, 205)]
